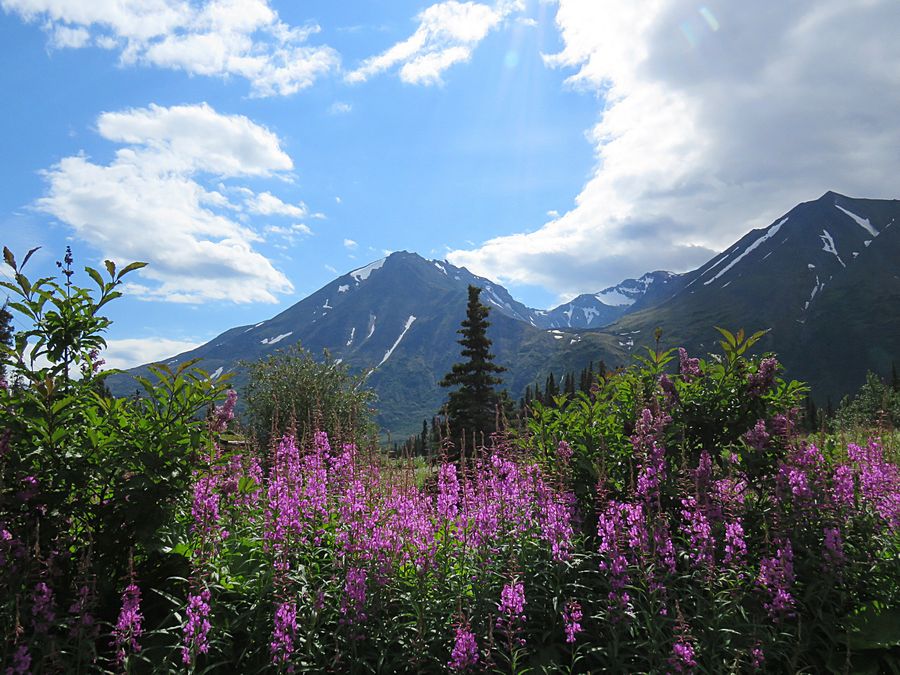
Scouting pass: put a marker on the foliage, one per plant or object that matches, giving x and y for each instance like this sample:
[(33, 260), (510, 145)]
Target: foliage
[(713, 404), (876, 404), (473, 407), (291, 389), (87, 481), (6, 334)]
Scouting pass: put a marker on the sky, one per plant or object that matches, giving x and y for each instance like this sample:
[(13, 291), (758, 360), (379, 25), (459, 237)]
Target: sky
[(251, 150)]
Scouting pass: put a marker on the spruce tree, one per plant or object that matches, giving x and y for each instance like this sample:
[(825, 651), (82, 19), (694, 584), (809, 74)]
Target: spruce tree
[(472, 407)]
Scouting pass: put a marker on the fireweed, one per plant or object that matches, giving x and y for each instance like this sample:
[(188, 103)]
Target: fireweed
[(322, 556)]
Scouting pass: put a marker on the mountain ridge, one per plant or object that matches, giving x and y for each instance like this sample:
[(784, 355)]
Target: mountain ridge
[(827, 259)]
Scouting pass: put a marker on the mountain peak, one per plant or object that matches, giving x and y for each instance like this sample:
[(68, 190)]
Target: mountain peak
[(831, 195)]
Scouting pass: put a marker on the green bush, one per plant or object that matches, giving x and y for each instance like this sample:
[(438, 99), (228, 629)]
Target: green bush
[(290, 391), (88, 481)]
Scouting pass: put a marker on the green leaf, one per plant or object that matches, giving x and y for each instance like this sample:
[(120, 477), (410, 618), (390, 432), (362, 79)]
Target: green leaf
[(95, 275), (131, 268), (9, 258), (29, 254), (111, 268)]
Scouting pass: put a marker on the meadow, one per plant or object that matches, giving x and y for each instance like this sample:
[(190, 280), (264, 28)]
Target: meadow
[(672, 519)]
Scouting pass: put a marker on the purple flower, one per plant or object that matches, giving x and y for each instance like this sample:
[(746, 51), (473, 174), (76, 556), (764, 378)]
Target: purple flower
[(354, 595), (757, 657), (735, 546), (448, 492), (224, 413), (128, 627), (834, 547), (758, 437), (572, 616), (776, 576), (650, 452), (682, 659), (465, 650), (205, 508), (196, 629), (668, 388), (21, 664), (688, 367), (282, 644), (697, 527), (843, 490), (564, 451), (511, 611), (43, 612), (879, 481), (761, 381)]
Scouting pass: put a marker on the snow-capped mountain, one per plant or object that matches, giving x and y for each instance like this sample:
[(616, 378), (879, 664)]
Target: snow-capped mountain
[(397, 317), (802, 278), (595, 310), (824, 278)]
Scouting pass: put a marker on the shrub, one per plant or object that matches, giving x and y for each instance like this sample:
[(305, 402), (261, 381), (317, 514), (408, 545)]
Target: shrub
[(88, 481), (292, 391)]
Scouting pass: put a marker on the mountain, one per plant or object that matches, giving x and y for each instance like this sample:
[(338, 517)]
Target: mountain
[(595, 310), (823, 279), (398, 317)]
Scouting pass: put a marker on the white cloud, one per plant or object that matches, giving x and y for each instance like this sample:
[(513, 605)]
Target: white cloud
[(267, 204), (340, 108), (131, 352), (712, 122), (447, 34), (148, 203), (63, 37), (350, 244), (242, 38)]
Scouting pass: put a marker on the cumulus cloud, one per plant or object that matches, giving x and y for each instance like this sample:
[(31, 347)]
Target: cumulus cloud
[(131, 352), (350, 244), (241, 38), (447, 34), (712, 121), (149, 203)]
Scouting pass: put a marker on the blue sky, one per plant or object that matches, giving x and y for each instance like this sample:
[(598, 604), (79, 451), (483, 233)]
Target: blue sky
[(251, 150)]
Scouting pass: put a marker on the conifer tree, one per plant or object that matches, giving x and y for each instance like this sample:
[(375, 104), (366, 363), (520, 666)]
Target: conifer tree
[(472, 407)]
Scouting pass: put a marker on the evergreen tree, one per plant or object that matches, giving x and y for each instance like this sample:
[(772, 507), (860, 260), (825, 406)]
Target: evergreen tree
[(472, 408)]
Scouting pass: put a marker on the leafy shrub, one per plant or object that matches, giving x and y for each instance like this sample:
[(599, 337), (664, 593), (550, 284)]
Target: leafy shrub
[(290, 390), (88, 481), (876, 404)]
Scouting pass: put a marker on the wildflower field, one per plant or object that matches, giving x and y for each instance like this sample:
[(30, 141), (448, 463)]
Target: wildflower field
[(670, 520)]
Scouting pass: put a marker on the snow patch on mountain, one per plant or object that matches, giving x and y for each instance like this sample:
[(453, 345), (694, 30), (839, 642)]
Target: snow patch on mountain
[(343, 288), (363, 272), (829, 246), (590, 313), (862, 222), (352, 335), (276, 339), (614, 297), (771, 232), (406, 326), (372, 318)]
